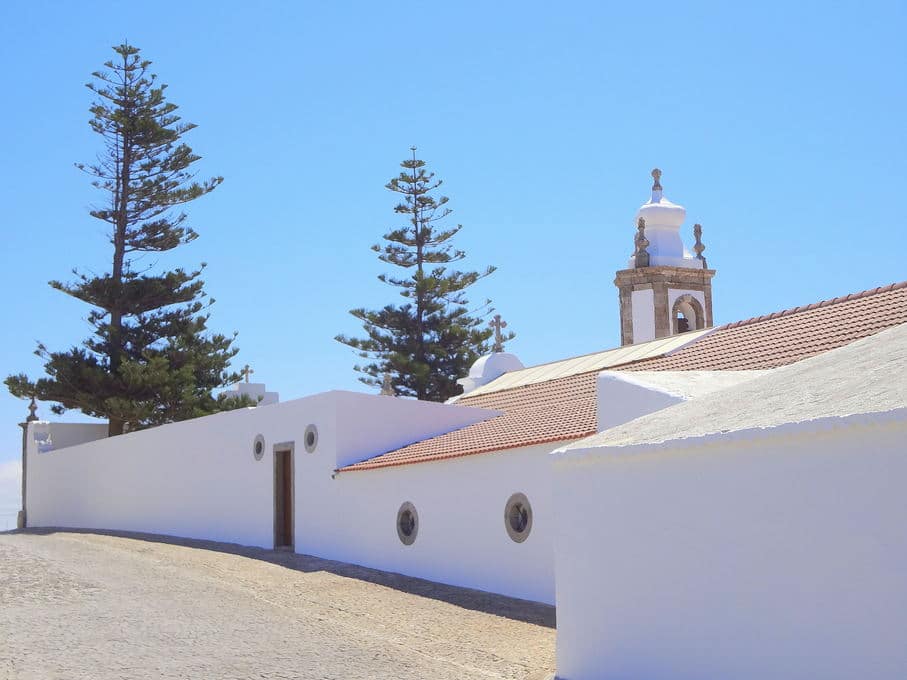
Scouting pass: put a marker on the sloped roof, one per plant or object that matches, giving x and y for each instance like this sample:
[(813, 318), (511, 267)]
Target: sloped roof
[(785, 337), (564, 408), (598, 361), (552, 411), (866, 376), (686, 384)]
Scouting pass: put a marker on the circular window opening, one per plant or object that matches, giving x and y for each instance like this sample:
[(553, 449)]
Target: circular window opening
[(407, 523), (310, 438), (518, 517), (258, 447)]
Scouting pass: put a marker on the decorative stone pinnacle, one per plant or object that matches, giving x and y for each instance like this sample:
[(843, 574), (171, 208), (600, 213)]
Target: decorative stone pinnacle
[(387, 385), (32, 411), (246, 372), (699, 247), (656, 175), (498, 324), (641, 255)]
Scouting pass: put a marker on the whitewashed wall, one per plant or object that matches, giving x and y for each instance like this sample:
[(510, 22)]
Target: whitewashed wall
[(462, 538), (199, 479), (196, 479), (62, 435), (642, 306), (776, 554), (620, 399)]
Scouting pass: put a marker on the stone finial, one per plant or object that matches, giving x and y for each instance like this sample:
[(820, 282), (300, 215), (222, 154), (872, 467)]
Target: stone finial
[(387, 385), (641, 255), (32, 411), (699, 247), (498, 325), (246, 372), (656, 175)]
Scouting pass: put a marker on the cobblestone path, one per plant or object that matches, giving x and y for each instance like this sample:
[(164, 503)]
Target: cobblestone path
[(76, 606)]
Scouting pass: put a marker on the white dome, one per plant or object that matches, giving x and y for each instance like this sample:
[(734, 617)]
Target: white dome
[(663, 221), (489, 367), (660, 213)]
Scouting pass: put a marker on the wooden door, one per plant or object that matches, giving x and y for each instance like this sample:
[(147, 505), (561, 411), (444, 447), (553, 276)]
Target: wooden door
[(283, 499)]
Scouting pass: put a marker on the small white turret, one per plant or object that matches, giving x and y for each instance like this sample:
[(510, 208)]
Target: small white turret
[(662, 222), (257, 392), (489, 367)]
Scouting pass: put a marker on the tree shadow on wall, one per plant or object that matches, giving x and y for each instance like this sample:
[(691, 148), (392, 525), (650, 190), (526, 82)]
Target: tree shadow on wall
[(477, 600)]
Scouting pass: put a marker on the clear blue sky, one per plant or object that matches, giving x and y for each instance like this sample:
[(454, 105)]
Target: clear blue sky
[(780, 126)]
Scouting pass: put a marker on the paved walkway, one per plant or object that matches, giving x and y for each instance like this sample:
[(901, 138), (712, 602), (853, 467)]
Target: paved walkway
[(103, 606)]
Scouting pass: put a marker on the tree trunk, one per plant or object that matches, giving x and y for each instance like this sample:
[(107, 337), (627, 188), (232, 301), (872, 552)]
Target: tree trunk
[(116, 425)]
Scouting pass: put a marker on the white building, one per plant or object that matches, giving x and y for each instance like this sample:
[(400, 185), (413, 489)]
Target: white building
[(459, 493), (756, 532)]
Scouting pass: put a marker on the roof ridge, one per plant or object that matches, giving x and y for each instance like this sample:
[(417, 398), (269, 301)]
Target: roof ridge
[(816, 305)]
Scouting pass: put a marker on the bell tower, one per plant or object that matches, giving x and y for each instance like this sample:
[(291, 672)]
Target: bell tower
[(665, 290)]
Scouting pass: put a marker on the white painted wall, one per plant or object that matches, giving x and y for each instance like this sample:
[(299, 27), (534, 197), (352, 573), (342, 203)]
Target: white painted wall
[(368, 425), (769, 554), (621, 399), (462, 539), (642, 305), (199, 479), (63, 435), (196, 479)]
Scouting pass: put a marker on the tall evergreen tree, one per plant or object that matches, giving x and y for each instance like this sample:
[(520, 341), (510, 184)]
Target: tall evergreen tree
[(149, 359), (432, 338)]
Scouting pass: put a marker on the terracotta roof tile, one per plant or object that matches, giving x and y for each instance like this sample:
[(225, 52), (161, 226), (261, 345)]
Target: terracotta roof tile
[(552, 411), (791, 335), (565, 408)]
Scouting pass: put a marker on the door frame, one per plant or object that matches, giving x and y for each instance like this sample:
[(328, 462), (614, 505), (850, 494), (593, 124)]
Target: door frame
[(290, 449)]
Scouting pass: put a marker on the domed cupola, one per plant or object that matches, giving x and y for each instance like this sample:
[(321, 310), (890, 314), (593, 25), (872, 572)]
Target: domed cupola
[(662, 220)]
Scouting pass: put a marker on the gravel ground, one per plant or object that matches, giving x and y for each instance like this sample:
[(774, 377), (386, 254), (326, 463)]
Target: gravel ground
[(77, 605)]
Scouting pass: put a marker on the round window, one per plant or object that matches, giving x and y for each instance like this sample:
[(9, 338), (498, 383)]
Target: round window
[(258, 447), (407, 523), (518, 517), (310, 438)]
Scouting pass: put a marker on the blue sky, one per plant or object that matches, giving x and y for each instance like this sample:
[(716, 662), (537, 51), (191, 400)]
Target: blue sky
[(780, 127)]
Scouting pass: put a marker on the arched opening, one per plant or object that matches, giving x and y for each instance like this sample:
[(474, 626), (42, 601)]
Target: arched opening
[(687, 314)]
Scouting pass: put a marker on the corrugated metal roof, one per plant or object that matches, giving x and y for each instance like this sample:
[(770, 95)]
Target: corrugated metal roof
[(598, 361)]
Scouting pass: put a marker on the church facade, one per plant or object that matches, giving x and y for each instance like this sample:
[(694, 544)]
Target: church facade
[(468, 492)]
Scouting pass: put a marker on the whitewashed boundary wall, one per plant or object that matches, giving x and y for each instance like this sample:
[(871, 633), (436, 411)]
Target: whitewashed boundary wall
[(462, 538), (777, 554), (199, 478), (63, 435)]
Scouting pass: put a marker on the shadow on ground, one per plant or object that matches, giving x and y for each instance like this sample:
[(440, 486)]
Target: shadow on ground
[(467, 598)]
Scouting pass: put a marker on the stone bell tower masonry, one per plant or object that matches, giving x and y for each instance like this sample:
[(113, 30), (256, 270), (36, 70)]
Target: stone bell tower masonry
[(665, 290)]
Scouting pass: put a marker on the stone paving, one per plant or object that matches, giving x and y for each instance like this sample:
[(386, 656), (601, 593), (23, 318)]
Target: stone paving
[(110, 606)]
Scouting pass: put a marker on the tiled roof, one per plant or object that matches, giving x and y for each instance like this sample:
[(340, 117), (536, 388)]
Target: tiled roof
[(785, 337), (564, 408), (598, 361), (552, 411)]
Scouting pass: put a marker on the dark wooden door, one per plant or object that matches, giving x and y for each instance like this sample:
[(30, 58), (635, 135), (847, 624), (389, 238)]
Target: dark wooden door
[(283, 499)]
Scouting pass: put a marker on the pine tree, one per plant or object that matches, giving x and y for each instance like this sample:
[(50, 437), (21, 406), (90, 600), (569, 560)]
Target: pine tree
[(431, 339), (149, 360)]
